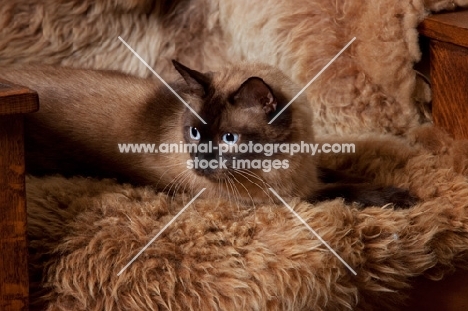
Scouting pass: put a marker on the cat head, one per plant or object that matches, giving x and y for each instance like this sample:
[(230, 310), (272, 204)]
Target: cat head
[(238, 104)]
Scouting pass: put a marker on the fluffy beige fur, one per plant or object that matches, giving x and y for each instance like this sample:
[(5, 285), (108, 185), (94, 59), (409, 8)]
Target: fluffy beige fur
[(221, 257), (216, 256), (369, 88)]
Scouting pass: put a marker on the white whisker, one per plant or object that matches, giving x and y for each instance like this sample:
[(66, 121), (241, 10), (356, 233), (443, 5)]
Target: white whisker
[(246, 190)]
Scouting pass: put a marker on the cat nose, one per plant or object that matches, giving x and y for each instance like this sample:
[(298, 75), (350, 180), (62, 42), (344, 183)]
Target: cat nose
[(206, 155), (206, 164), (206, 172)]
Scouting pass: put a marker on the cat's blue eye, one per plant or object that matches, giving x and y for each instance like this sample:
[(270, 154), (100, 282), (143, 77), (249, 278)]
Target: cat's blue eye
[(194, 133), (230, 138)]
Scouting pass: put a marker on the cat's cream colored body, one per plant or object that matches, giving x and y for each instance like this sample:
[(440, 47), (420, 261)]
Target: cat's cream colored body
[(85, 114)]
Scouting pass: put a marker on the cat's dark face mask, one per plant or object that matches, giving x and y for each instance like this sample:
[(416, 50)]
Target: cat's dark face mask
[(236, 120)]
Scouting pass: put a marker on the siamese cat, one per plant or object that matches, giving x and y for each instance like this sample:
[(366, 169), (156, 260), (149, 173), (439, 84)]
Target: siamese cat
[(86, 116)]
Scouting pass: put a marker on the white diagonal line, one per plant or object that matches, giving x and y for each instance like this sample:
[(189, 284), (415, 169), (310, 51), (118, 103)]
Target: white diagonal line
[(313, 231), (313, 79), (159, 77), (159, 233)]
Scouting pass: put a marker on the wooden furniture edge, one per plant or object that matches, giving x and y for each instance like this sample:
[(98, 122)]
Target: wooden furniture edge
[(17, 99), (447, 27)]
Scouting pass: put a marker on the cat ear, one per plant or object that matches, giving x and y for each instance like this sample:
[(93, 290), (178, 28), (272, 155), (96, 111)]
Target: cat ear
[(254, 92), (197, 81)]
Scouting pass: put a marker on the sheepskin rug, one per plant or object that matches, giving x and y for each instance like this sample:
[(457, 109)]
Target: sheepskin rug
[(371, 87), (219, 256)]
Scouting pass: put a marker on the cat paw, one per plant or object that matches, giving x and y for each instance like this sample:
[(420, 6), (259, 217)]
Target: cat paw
[(365, 195), (399, 198)]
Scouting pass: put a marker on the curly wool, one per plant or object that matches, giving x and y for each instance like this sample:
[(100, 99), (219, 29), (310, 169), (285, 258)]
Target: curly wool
[(369, 88), (218, 256)]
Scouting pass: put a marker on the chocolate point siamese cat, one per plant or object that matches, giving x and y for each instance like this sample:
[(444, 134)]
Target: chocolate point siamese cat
[(86, 117)]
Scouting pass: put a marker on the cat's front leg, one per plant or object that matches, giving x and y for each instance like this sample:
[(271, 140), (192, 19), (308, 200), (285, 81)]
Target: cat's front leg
[(365, 194)]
